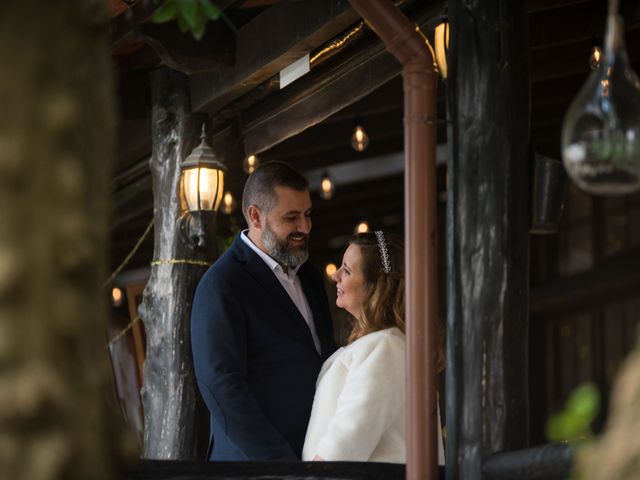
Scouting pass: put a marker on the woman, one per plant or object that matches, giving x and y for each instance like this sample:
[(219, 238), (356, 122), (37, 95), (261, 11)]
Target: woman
[(359, 408)]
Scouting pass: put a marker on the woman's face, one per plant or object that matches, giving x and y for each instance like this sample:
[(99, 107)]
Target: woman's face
[(350, 283)]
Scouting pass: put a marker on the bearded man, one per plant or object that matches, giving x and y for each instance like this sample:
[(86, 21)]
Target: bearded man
[(261, 327)]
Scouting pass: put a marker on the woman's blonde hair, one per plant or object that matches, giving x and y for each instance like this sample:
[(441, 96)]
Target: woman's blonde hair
[(384, 283)]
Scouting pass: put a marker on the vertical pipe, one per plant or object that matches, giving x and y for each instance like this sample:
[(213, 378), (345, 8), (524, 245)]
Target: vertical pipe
[(421, 267), (420, 91)]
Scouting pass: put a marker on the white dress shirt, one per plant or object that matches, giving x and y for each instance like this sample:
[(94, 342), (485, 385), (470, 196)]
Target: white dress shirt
[(291, 283)]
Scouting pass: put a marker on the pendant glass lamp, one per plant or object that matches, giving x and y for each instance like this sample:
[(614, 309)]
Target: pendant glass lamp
[(250, 163), (601, 130), (359, 139), (228, 203), (327, 187)]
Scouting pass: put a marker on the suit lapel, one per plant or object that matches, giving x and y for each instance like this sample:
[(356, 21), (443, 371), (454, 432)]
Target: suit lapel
[(259, 270)]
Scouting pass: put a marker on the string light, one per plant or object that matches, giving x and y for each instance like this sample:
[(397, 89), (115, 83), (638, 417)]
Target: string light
[(359, 139), (330, 269), (327, 187), (228, 203), (250, 163), (362, 227), (116, 296)]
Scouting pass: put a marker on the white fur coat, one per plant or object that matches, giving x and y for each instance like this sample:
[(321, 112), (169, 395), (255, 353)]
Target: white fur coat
[(359, 408)]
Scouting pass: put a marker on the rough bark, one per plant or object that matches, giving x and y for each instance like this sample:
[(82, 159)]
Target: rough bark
[(487, 233), (56, 136), (176, 422)]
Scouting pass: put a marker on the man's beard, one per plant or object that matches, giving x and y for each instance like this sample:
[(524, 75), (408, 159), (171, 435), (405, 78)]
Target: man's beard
[(281, 252)]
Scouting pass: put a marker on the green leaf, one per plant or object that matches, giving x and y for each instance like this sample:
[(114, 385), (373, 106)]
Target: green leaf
[(210, 9), (189, 12), (166, 12), (201, 21), (182, 24), (574, 422)]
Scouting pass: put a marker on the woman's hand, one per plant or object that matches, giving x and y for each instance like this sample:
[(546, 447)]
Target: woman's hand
[(317, 458)]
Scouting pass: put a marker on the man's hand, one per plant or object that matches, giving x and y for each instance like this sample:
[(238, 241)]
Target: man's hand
[(317, 458)]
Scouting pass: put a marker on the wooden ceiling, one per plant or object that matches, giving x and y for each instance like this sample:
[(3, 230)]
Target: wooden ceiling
[(232, 79)]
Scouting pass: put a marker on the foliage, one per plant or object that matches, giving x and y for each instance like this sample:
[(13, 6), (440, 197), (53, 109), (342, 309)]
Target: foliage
[(573, 423), (224, 242), (192, 15)]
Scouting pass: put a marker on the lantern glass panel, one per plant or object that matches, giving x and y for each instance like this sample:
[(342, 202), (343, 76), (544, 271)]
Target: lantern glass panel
[(205, 185)]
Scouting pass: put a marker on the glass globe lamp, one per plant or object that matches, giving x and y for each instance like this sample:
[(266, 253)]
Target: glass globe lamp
[(601, 130)]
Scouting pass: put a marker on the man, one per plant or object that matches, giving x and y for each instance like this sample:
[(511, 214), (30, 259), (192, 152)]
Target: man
[(261, 327)]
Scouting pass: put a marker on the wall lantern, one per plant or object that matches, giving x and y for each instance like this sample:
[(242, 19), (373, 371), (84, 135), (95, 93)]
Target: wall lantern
[(441, 40), (202, 185)]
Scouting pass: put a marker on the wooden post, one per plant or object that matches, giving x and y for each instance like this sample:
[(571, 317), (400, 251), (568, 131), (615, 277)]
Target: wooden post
[(487, 233), (56, 147), (176, 421)]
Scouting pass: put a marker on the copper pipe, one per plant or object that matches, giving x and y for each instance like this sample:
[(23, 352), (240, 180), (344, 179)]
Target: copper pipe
[(420, 94)]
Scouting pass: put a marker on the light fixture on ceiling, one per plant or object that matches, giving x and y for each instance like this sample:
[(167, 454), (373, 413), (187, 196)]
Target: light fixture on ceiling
[(441, 40), (228, 203), (362, 227), (250, 163), (359, 139), (327, 187), (601, 130), (202, 184)]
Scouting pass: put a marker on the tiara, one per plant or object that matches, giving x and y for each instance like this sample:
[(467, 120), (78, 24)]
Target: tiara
[(384, 254)]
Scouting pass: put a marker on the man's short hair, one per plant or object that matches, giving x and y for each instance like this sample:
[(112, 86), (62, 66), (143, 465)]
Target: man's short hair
[(260, 187)]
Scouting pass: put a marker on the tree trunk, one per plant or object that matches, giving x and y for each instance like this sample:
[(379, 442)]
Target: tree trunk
[(56, 145), (616, 454), (176, 421), (487, 233)]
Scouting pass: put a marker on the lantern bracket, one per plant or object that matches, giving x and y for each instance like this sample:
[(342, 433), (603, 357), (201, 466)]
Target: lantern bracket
[(196, 229)]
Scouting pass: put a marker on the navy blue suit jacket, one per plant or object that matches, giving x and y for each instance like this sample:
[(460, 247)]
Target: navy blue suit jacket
[(254, 356)]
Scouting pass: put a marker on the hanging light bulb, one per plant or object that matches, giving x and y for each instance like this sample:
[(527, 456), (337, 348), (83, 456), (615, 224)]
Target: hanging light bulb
[(116, 296), (330, 269), (228, 203), (250, 163), (595, 58), (362, 227), (359, 139), (327, 187), (601, 130)]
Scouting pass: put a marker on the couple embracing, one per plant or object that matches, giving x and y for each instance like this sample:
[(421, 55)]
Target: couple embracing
[(263, 347)]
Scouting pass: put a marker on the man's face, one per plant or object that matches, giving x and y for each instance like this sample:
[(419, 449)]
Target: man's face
[(286, 229)]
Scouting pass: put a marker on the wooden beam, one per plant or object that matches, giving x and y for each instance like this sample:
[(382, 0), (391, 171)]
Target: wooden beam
[(326, 90), (268, 43), (122, 25), (181, 52)]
